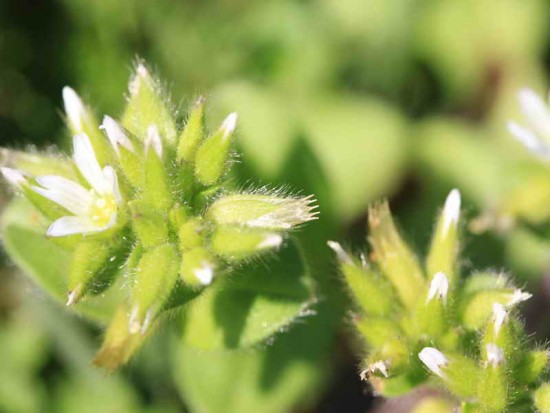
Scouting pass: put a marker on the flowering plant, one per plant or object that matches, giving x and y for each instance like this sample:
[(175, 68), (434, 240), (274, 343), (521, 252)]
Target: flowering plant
[(144, 219)]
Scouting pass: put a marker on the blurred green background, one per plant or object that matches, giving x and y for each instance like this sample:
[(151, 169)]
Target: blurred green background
[(352, 100)]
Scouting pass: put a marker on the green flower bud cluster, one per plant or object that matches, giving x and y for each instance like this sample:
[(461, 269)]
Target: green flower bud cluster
[(419, 321), (148, 201)]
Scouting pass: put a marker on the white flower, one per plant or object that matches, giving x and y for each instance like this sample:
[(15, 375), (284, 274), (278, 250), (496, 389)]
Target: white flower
[(93, 209), (434, 360), (439, 287), (536, 136)]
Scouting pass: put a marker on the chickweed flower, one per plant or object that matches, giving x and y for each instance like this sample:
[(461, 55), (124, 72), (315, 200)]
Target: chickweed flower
[(150, 203), (467, 331)]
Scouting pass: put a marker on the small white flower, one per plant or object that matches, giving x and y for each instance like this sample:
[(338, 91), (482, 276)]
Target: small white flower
[(500, 316), (495, 355), (340, 253), (77, 114), (451, 210), (439, 287), (93, 209), (116, 134), (434, 360), (536, 136)]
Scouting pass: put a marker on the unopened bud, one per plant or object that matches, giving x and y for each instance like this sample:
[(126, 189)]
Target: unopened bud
[(394, 257), (434, 360), (150, 227), (153, 140), (263, 211), (439, 287), (212, 155), (193, 133), (190, 234), (542, 398), (442, 256)]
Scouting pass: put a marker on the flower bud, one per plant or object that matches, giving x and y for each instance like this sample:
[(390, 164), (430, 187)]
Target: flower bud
[(118, 345), (445, 243), (374, 294), (197, 267), (377, 331), (156, 189), (212, 155), (190, 234), (459, 373), (94, 264), (192, 134), (493, 383), (532, 365), (156, 274), (237, 243), (394, 257), (262, 211), (542, 398), (431, 317), (147, 106)]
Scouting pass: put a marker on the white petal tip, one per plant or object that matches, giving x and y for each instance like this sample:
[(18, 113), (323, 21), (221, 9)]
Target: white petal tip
[(71, 297), (74, 108), (378, 366), (434, 360), (116, 134), (153, 140), (229, 124), (495, 355), (204, 274), (271, 241), (499, 317), (14, 177), (439, 287), (451, 210), (517, 297), (340, 253)]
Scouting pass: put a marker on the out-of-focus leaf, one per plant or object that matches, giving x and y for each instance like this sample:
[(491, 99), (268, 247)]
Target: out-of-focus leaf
[(23, 235), (277, 378), (248, 307)]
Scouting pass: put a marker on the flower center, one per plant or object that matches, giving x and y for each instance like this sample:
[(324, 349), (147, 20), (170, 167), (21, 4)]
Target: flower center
[(102, 209)]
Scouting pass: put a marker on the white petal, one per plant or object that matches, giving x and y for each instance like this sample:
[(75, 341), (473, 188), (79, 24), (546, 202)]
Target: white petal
[(68, 194), (116, 134), (536, 112), (204, 274), (112, 178), (74, 108), (86, 161), (340, 253), (71, 225), (495, 355), (153, 140), (451, 210), (499, 317), (15, 177), (525, 137), (517, 297), (439, 287), (433, 360), (228, 125), (270, 241)]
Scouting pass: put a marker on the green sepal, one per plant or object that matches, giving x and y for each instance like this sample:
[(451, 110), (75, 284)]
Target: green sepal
[(532, 366), (156, 189), (191, 234), (146, 106), (192, 134), (212, 156), (150, 226), (493, 389), (394, 257), (542, 398), (234, 243)]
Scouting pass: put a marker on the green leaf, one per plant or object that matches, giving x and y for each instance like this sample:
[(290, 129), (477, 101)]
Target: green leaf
[(251, 305), (46, 263)]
